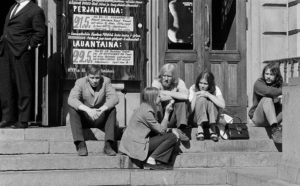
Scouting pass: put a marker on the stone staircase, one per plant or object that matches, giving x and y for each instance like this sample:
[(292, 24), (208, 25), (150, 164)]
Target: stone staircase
[(47, 156)]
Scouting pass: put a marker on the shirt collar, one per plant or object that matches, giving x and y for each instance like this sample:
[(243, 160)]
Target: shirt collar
[(24, 3)]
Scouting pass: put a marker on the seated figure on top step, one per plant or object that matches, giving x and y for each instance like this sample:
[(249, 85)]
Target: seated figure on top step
[(267, 107), (206, 101), (92, 104), (173, 89), (145, 139)]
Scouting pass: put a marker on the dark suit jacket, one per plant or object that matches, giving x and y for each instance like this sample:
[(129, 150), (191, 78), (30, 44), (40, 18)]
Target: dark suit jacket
[(26, 28), (83, 94)]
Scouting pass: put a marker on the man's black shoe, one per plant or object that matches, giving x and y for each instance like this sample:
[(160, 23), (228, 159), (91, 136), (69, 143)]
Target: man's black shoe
[(20, 125), (81, 148), (182, 135), (4, 124), (149, 166), (108, 150), (277, 134), (165, 166)]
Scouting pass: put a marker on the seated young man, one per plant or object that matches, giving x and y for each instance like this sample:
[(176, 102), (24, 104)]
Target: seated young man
[(267, 107), (92, 104), (173, 89)]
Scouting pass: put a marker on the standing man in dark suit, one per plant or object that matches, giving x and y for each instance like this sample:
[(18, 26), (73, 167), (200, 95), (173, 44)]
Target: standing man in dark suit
[(24, 29)]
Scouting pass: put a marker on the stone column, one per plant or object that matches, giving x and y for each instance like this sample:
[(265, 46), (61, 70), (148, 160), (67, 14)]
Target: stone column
[(289, 168)]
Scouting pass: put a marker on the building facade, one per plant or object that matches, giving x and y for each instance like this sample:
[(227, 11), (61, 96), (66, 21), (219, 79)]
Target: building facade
[(232, 38)]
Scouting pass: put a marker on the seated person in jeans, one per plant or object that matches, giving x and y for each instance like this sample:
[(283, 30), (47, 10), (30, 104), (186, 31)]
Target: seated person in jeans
[(205, 101), (92, 104), (144, 138), (266, 109), (173, 89)]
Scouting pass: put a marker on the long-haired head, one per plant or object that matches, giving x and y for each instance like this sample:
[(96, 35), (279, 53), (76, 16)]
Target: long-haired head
[(275, 70), (165, 72), (210, 78), (149, 96)]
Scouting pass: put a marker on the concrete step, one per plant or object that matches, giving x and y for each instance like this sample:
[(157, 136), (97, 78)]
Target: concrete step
[(64, 133), (228, 159), (259, 176), (68, 147), (51, 134), (101, 161), (203, 176)]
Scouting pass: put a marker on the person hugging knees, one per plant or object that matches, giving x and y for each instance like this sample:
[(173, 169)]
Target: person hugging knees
[(206, 101), (267, 94), (173, 90), (92, 104), (145, 139)]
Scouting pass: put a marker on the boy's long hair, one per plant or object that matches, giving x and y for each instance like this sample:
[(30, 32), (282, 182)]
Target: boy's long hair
[(172, 68), (149, 96), (210, 78), (274, 69)]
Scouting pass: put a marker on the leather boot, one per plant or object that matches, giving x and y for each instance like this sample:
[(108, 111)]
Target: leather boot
[(81, 148), (108, 149)]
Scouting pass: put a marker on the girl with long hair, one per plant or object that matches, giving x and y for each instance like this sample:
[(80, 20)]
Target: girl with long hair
[(205, 102), (145, 139)]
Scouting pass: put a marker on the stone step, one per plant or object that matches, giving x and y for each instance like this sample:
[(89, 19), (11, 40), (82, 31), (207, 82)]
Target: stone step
[(64, 133), (202, 176), (101, 161), (259, 176), (68, 147)]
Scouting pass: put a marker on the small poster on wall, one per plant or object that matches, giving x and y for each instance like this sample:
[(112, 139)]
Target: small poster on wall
[(110, 33)]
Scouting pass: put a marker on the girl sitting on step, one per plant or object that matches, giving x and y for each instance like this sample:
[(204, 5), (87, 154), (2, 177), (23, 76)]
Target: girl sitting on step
[(145, 139), (206, 100)]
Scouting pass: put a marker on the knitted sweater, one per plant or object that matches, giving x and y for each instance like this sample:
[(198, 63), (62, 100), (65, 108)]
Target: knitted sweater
[(260, 90)]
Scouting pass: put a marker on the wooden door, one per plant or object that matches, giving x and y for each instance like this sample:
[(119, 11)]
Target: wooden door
[(218, 44), (183, 54)]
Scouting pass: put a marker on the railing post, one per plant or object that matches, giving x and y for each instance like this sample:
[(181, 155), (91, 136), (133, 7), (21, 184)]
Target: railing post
[(285, 69)]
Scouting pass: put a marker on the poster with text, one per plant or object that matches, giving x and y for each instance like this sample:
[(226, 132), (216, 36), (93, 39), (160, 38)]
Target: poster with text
[(109, 33)]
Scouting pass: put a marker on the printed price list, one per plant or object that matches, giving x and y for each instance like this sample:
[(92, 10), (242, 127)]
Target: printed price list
[(103, 57), (99, 22)]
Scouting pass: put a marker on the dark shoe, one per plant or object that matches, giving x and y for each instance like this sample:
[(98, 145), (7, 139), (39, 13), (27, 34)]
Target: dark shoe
[(165, 166), (153, 167), (108, 150), (20, 125), (200, 136), (81, 148), (182, 135), (214, 137), (277, 134), (4, 124)]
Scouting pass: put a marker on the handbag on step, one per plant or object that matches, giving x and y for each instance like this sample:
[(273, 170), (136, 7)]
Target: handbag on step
[(237, 130)]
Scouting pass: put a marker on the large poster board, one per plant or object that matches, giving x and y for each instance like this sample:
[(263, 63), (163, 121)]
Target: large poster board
[(110, 33)]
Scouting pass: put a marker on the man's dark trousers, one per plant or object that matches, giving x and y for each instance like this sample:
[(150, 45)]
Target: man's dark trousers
[(80, 120), (16, 78)]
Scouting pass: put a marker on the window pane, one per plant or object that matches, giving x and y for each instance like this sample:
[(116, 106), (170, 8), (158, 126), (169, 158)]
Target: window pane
[(180, 25), (224, 25)]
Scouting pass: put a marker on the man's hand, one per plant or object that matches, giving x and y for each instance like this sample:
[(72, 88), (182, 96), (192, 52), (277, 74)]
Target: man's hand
[(29, 48), (93, 113), (101, 110), (164, 96)]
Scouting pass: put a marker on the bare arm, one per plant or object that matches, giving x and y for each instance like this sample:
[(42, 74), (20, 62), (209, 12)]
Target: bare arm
[(168, 95)]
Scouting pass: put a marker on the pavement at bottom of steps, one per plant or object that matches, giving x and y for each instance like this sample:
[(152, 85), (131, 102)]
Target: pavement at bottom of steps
[(202, 176), (255, 176)]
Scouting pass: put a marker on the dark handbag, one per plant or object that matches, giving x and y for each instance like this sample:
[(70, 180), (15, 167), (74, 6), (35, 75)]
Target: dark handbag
[(237, 130)]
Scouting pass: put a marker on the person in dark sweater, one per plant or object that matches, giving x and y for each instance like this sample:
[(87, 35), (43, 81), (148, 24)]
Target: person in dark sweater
[(267, 93)]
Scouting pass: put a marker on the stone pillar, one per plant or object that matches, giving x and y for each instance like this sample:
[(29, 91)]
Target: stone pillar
[(289, 168)]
